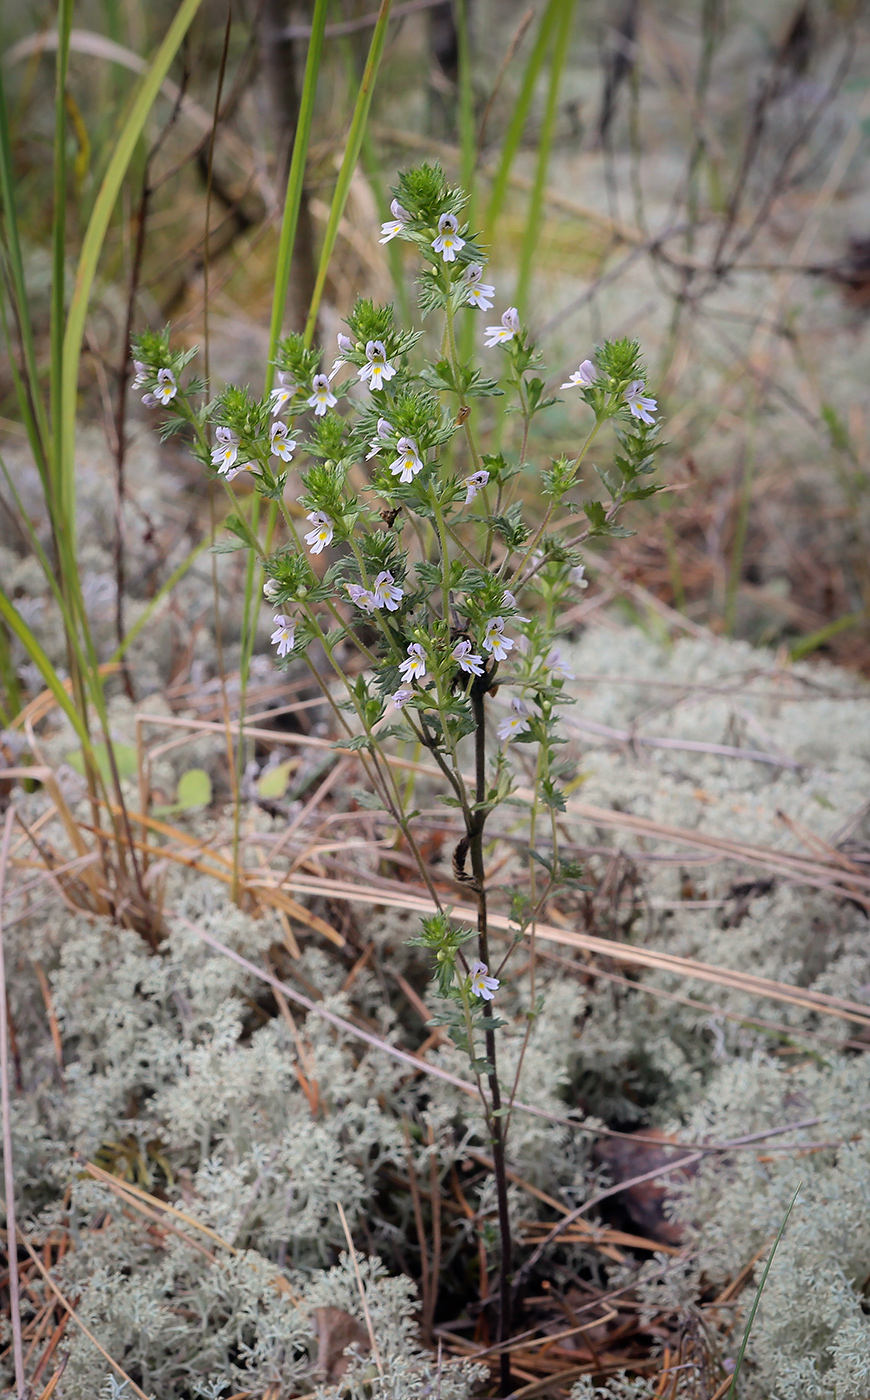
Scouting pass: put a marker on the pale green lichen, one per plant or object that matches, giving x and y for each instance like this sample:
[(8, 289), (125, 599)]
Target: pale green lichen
[(183, 1053)]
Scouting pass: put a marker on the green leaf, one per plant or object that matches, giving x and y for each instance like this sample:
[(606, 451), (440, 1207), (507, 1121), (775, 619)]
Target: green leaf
[(369, 800), (357, 742), (242, 529), (274, 782), (125, 760), (227, 546), (194, 789)]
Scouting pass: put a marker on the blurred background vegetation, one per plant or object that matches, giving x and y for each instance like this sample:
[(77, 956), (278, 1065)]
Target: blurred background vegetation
[(693, 174)]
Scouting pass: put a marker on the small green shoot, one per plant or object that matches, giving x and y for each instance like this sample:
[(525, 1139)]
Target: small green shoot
[(757, 1299)]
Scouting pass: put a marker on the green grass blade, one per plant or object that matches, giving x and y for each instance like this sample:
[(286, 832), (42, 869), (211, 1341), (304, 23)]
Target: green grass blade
[(517, 124), (34, 411), (8, 680), (58, 260), (283, 265), (757, 1299), (27, 390), (93, 242), (348, 164), (296, 180), (467, 132), (467, 152), (807, 645), (33, 540), (19, 628), (535, 215)]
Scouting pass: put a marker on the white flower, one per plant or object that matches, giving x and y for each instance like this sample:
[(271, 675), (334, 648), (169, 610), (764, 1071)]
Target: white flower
[(494, 639), (166, 386), (396, 224), (345, 344), (468, 660), (284, 392), (361, 597), (271, 589), (318, 538), (448, 242), (415, 667), (583, 378), (482, 985), (230, 473), (558, 666), (149, 400), (478, 293), (142, 372), (284, 634), (386, 592), (383, 434), (473, 484), (641, 407), (322, 397), (226, 450), (378, 367), (516, 723), (402, 696), (511, 602), (409, 462), (499, 335), (282, 445), (578, 578)]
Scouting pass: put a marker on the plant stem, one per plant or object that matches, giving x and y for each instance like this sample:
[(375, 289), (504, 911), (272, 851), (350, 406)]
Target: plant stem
[(475, 848)]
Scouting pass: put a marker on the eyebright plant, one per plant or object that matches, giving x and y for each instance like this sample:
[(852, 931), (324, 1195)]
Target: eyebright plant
[(439, 585)]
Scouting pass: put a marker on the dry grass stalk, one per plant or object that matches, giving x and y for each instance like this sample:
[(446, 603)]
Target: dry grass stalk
[(823, 874), (421, 1065), (140, 1197), (362, 1293), (64, 1301), (8, 1168), (632, 956)]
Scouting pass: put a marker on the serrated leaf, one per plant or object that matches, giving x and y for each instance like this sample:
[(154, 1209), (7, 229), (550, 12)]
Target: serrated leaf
[(227, 546), (242, 529), (369, 800)]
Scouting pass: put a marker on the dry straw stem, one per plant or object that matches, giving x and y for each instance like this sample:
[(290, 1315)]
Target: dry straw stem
[(613, 228), (420, 1065), (820, 1002), (822, 874), (64, 1301), (8, 1170), (153, 1207), (362, 1293)]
